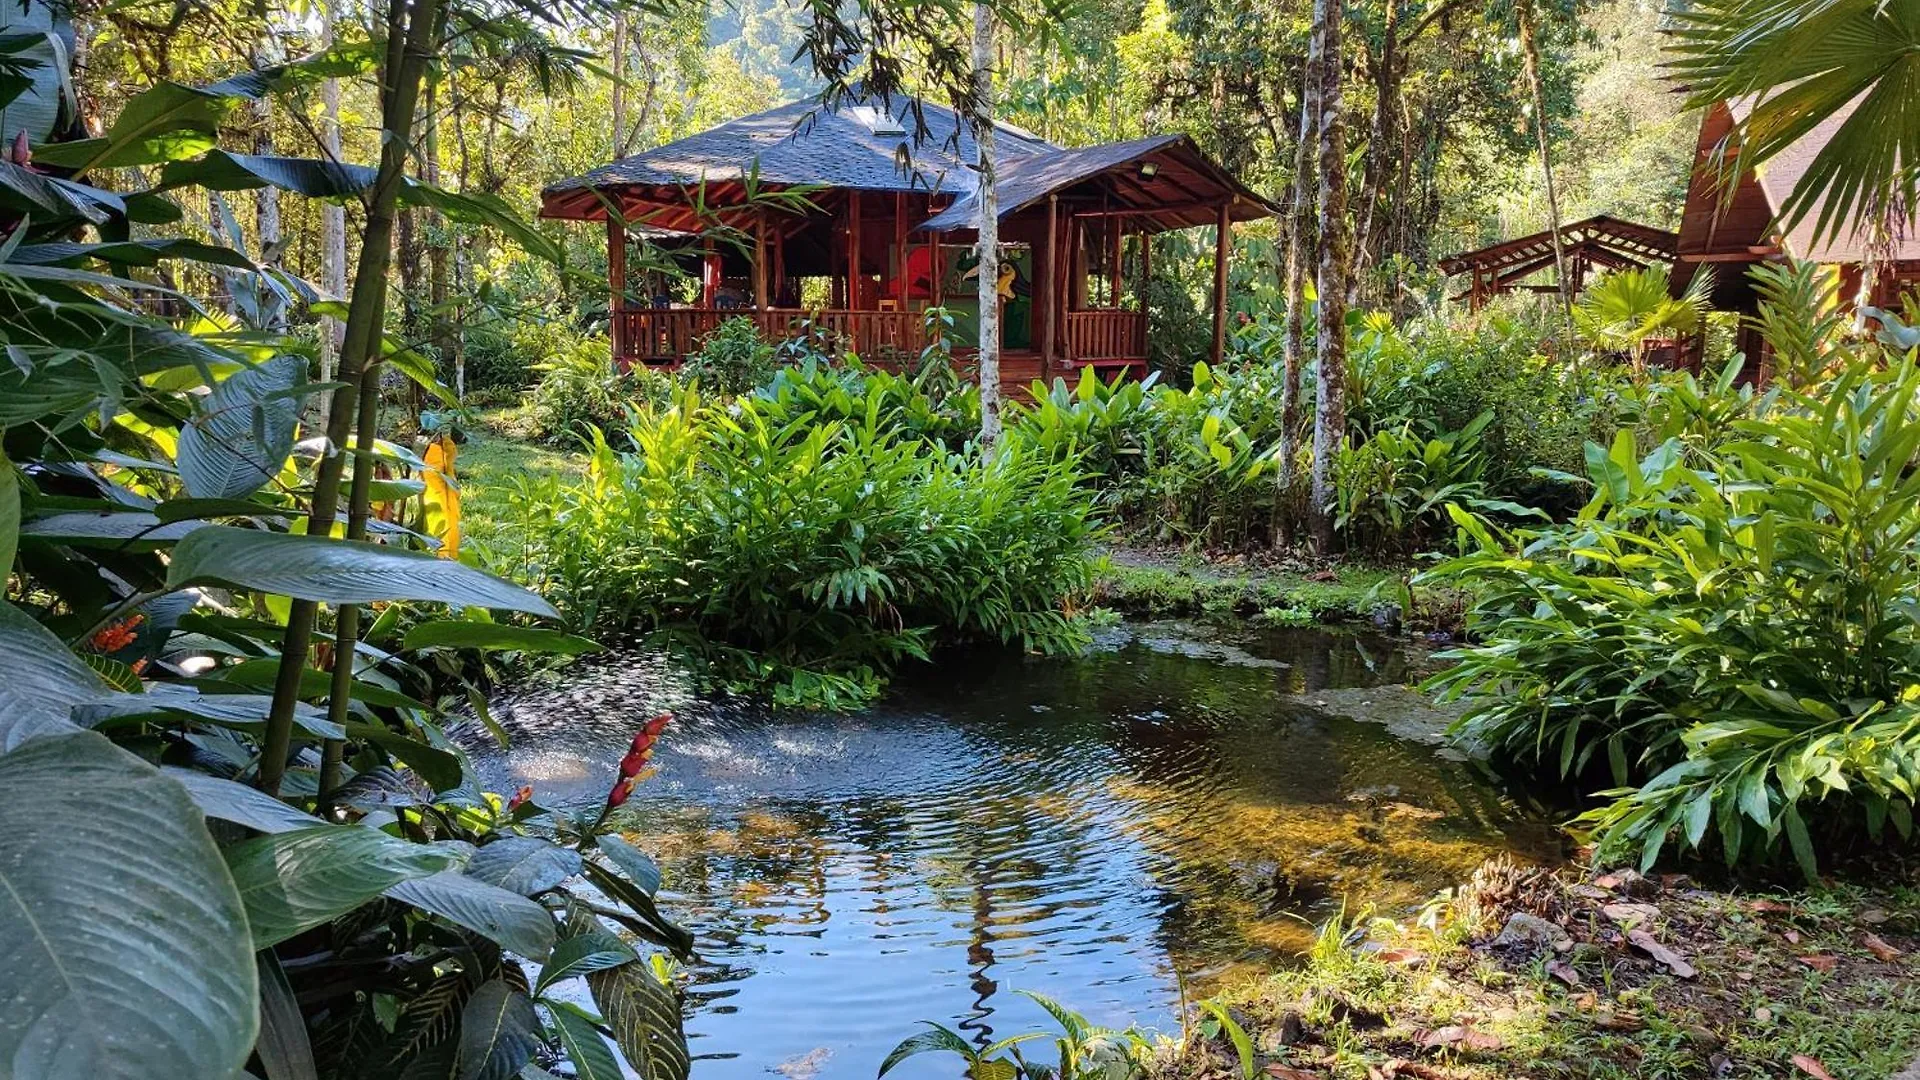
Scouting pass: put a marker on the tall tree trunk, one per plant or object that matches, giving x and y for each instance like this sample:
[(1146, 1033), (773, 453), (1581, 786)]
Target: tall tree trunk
[(1330, 406), (440, 238), (412, 36), (1301, 251), (1386, 101), (619, 67), (333, 220), (266, 201), (1530, 53), (989, 244)]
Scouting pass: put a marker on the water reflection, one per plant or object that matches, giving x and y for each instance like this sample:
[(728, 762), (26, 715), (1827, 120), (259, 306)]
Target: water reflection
[(1174, 804)]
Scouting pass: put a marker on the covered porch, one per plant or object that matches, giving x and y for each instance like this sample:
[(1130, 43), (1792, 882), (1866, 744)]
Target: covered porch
[(855, 266)]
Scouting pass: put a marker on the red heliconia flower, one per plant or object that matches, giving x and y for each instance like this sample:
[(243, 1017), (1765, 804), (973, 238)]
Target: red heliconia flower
[(520, 798), (112, 639), (638, 754)]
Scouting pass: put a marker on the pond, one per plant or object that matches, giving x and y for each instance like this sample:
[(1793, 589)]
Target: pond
[(1179, 805)]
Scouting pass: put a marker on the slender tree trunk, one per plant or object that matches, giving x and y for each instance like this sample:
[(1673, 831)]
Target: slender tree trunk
[(266, 201), (440, 237), (411, 37), (619, 66), (1301, 251), (333, 220), (1530, 53), (1330, 406), (989, 243), (1386, 81)]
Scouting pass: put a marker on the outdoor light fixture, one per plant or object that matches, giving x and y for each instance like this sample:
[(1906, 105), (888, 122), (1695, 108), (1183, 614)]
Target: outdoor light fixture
[(1149, 169)]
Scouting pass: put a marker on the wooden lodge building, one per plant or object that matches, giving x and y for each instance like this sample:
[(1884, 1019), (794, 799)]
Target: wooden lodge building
[(839, 220), (1729, 232)]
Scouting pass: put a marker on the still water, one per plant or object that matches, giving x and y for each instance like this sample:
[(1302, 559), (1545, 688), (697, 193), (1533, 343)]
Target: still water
[(1181, 803)]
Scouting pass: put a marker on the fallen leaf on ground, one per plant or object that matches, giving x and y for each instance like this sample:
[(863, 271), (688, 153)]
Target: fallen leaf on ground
[(1631, 914), (1608, 881), (1792, 936), (1590, 892), (1812, 1067), (1873, 916), (1459, 1036), (1675, 962), (1821, 962), (1401, 956), (1563, 971), (1764, 906), (1878, 946), (1288, 1072)]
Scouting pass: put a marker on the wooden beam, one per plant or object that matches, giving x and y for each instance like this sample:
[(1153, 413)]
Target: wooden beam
[(1049, 289), (900, 248), (855, 289), (616, 281), (1222, 244), (709, 274)]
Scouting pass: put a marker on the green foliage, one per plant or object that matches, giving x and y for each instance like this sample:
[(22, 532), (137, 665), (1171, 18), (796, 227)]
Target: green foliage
[(582, 387), (806, 540), (1086, 1051), (1393, 490), (732, 360), (259, 848), (1728, 632), (1624, 310)]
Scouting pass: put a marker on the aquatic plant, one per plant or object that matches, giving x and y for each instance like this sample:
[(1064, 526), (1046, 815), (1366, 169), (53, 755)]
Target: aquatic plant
[(1086, 1051)]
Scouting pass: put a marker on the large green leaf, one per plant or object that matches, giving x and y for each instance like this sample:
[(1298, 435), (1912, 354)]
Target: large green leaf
[(41, 680), (294, 881), (232, 801), (9, 514), (636, 864), (286, 1053), (129, 253), (124, 943), (336, 571), (481, 208), (587, 1051), (523, 864), (644, 1013), (466, 634), (514, 921), (116, 529), (499, 1032), (582, 954), (241, 433), (219, 170), (242, 712)]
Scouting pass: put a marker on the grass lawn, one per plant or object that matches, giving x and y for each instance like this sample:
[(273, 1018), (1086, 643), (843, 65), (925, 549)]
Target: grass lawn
[(1287, 593), (489, 464)]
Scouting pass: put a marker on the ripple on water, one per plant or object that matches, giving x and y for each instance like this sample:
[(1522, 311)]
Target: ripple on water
[(1174, 801)]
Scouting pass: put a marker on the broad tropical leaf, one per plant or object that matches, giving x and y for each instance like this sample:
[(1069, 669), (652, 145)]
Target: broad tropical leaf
[(587, 1051), (514, 921), (294, 881), (464, 634), (242, 432), (136, 938), (41, 680), (523, 864), (219, 170), (232, 801), (336, 571), (644, 1013), (499, 1032), (594, 950)]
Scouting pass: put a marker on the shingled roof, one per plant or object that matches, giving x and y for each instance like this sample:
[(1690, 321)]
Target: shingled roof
[(805, 143), (1185, 189)]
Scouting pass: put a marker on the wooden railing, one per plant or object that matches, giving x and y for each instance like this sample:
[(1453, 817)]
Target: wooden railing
[(1106, 335), (670, 335)]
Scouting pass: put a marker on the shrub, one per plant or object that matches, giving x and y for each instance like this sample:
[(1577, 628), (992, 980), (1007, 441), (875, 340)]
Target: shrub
[(1732, 630), (584, 388), (733, 359), (808, 556), (1393, 489), (817, 390)]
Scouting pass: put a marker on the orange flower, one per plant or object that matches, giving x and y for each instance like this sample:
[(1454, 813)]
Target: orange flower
[(520, 798), (117, 636)]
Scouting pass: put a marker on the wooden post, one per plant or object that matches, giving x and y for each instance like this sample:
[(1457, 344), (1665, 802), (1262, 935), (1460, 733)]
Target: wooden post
[(709, 274), (854, 290), (900, 248), (1116, 237), (1222, 243), (1048, 292), (760, 261), (616, 282)]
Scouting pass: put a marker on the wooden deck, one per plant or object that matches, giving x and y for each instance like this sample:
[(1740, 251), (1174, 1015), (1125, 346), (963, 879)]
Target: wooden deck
[(1107, 340)]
